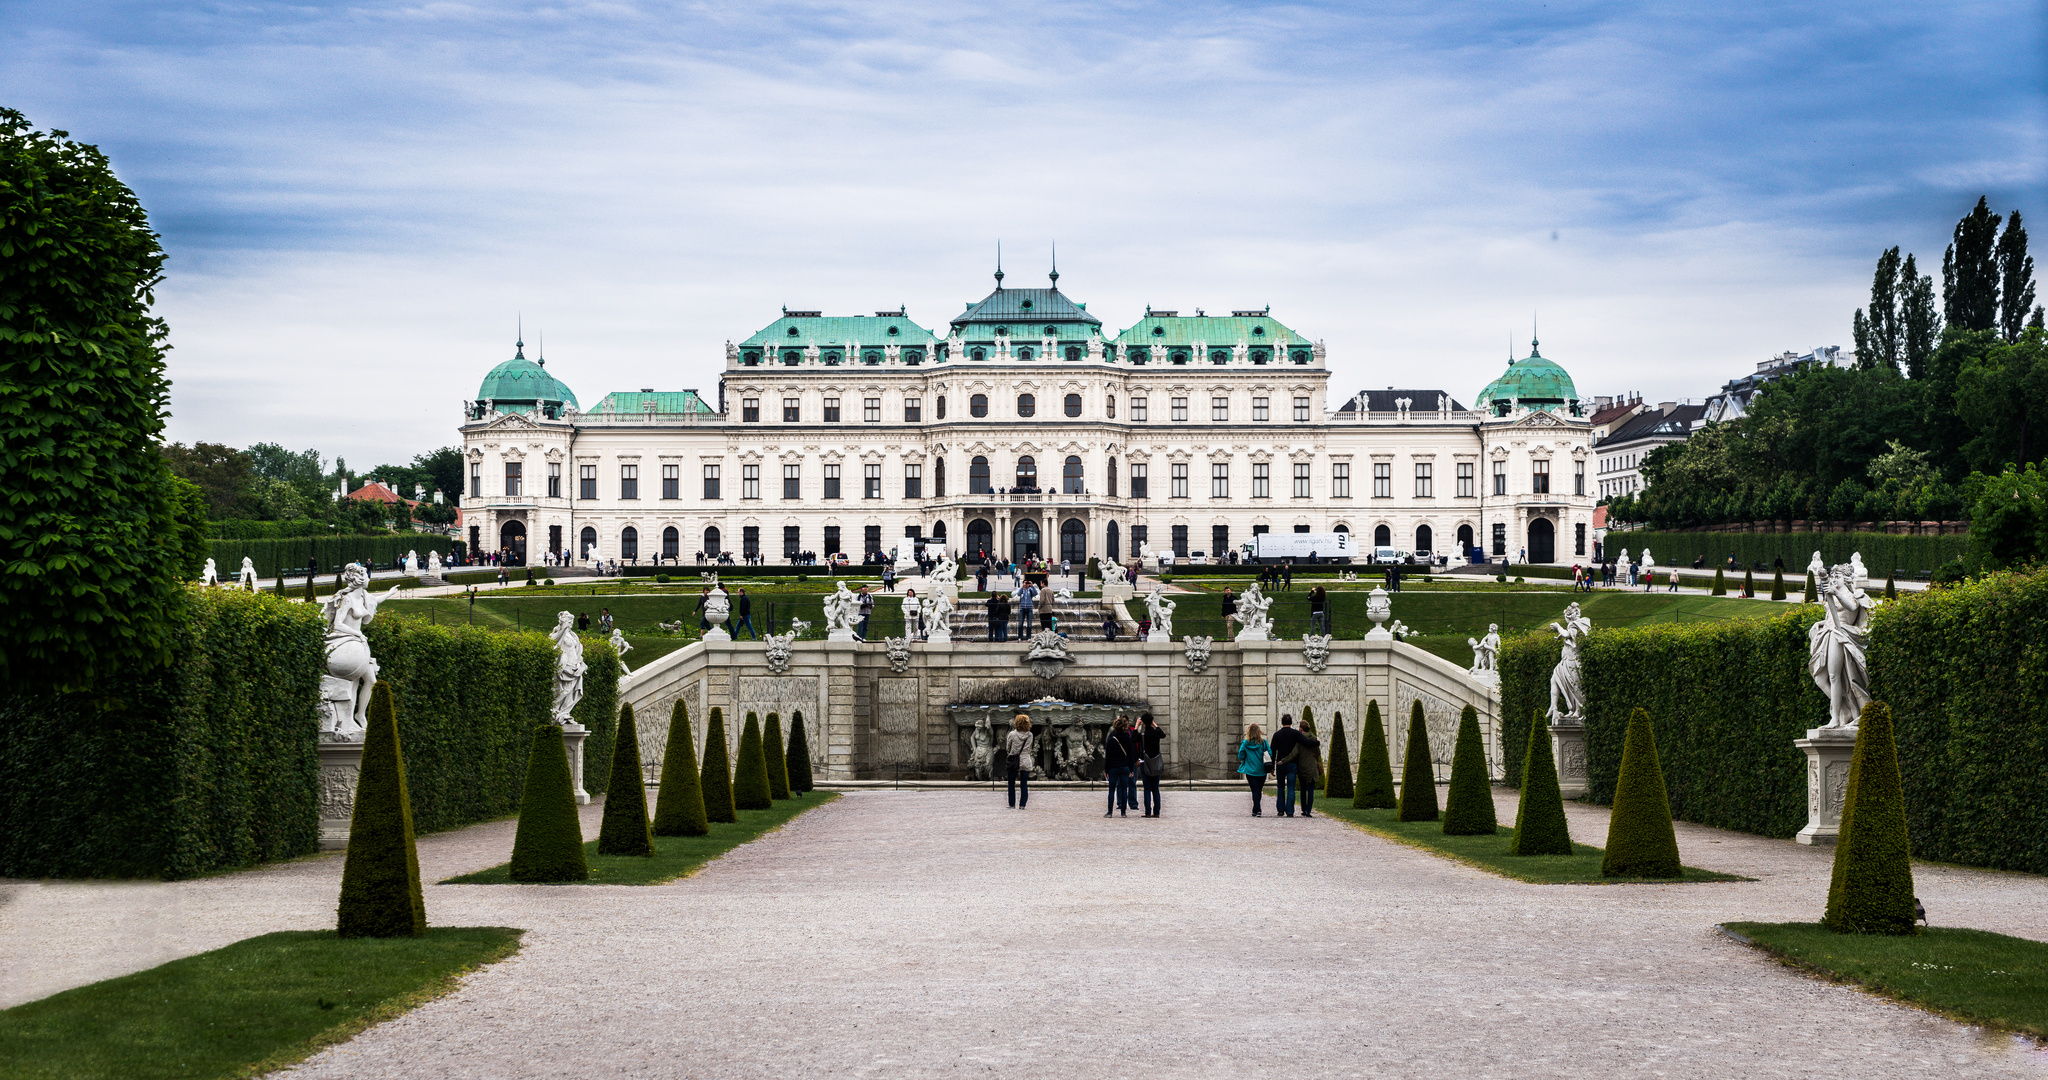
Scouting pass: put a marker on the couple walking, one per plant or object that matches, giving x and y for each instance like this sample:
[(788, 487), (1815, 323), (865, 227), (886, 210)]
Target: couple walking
[(1295, 757), (1130, 753)]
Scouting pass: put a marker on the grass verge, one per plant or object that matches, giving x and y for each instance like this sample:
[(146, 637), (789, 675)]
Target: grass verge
[(257, 1005), (674, 856), (1489, 853), (1970, 975)]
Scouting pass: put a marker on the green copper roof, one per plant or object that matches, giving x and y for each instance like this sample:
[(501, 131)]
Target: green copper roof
[(664, 401), (857, 331), (520, 385), (1535, 381), (1029, 310), (1174, 329)]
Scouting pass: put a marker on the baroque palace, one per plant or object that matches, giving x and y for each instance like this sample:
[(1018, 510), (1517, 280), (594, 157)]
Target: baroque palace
[(1024, 429)]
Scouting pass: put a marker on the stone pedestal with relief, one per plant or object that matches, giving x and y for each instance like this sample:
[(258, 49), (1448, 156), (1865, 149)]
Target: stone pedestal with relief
[(572, 736), (1568, 746), (1828, 751), (341, 766)]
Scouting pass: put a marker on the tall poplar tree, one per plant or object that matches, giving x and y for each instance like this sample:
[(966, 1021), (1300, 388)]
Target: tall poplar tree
[(1970, 271), (1919, 322), (2015, 280), (1879, 337)]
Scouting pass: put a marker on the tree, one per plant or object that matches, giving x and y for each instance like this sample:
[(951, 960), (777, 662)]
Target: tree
[(1468, 808), (1879, 338), (773, 753), (2009, 522), (443, 471), (1418, 772), (1778, 583), (1871, 891), (1338, 778), (716, 778), (2015, 279), (1640, 839), (88, 532), (750, 779), (1720, 583), (1375, 787), (548, 845), (222, 473), (679, 803), (1970, 271), (624, 828), (2001, 398), (1919, 322), (1812, 590), (380, 877), (1540, 825), (799, 755)]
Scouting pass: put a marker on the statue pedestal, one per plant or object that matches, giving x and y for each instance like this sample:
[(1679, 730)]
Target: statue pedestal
[(1252, 635), (717, 633), (1485, 678), (573, 735), (940, 636), (1156, 637), (1568, 746), (1117, 593), (341, 766), (1379, 633), (1828, 751), (841, 635)]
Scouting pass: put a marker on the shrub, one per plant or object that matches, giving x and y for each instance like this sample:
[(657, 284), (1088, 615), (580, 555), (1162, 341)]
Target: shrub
[(715, 779), (1468, 808), (380, 877), (623, 830), (1338, 777), (1375, 787), (1720, 582), (750, 777), (773, 753), (1418, 773), (679, 804), (800, 778), (1891, 588), (1540, 825), (1640, 840), (1912, 553), (1749, 583), (1872, 888), (208, 763), (274, 555), (1778, 584), (548, 846)]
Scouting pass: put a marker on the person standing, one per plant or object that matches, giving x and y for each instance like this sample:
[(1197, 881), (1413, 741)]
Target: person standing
[(1024, 601), (1152, 766), (867, 611), (1229, 610), (1252, 754), (1673, 572), (889, 578), (1306, 760), (998, 617), (1284, 741), (1109, 626), (604, 620), (1019, 747), (913, 627), (1067, 569), (1287, 576), (1119, 755), (1319, 610), (981, 576)]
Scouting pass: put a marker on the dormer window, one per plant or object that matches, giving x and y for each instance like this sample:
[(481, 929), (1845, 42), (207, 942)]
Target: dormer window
[(1026, 305), (792, 331), (892, 331), (1002, 331), (977, 353), (1052, 331), (1159, 331), (1258, 331)]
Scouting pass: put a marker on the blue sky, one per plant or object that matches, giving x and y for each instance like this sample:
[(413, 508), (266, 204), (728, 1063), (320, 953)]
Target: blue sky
[(360, 199)]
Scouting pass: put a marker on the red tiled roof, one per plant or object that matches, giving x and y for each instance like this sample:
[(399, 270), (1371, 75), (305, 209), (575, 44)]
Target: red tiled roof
[(375, 490)]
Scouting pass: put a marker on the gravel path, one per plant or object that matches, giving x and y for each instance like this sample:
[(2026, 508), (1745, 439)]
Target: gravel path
[(938, 933)]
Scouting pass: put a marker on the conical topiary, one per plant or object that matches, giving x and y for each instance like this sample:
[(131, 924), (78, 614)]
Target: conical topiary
[(549, 844), (799, 755), (716, 776), (1339, 783), (624, 827), (771, 753), (1540, 827), (679, 805), (1640, 840), (750, 777), (1375, 787), (1418, 773), (1749, 584), (1778, 584), (1872, 890), (1812, 589), (380, 880), (1720, 583), (1891, 586), (1468, 808)]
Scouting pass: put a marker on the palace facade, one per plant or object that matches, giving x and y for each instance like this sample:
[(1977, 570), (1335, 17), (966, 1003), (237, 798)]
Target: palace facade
[(1024, 428)]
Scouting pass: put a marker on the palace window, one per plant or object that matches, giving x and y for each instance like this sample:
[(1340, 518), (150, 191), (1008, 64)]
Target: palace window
[(1140, 482), (750, 481), (1262, 480), (750, 410), (1027, 471), (1500, 538), (913, 410), (792, 410), (913, 481), (792, 542), (977, 353), (629, 544), (831, 481), (1301, 410), (832, 540), (939, 478), (750, 541), (1026, 405), (1072, 480), (1382, 480), (1112, 477), (1219, 480), (513, 471), (1301, 481), (1219, 357), (939, 407), (1425, 484), (554, 480), (792, 481), (1139, 537), (831, 410), (871, 482), (1109, 403), (1073, 352), (1261, 410), (977, 476), (629, 481), (476, 480), (1138, 413), (1073, 404), (1539, 481), (671, 481), (1180, 480), (710, 482), (871, 410), (1580, 532), (1500, 483), (1219, 409), (978, 405), (1340, 480), (1579, 481), (1219, 540), (1180, 409), (586, 482), (1464, 479), (871, 539), (1180, 541)]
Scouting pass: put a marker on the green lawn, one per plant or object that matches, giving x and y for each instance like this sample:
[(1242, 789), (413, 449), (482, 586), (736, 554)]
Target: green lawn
[(1968, 975), (256, 1005), (674, 856), (638, 614), (1490, 852)]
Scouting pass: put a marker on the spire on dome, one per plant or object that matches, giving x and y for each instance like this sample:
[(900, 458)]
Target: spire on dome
[(999, 265), (1055, 275)]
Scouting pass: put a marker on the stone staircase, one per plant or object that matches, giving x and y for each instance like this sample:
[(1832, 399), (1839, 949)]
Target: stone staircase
[(1079, 620)]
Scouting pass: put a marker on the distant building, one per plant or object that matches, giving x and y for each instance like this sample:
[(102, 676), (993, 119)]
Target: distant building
[(1732, 403), (1619, 456), (378, 491), (1611, 411)]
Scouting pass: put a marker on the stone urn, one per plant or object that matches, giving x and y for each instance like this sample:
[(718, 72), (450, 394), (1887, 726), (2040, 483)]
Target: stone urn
[(1379, 610), (717, 609)]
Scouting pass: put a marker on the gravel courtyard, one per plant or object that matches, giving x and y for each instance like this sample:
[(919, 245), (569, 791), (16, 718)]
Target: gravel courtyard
[(940, 934)]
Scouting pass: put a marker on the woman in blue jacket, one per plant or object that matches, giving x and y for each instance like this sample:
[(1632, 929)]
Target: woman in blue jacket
[(1251, 764)]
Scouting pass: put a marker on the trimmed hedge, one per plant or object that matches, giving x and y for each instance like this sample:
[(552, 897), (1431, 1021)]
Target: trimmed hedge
[(380, 876), (1871, 891), (1540, 825), (623, 830), (679, 804), (1337, 782), (468, 702), (1882, 552), (777, 757), (750, 776), (332, 551), (207, 764), (1375, 787), (715, 777), (1640, 840), (799, 755), (1468, 808), (547, 848), (1418, 773)]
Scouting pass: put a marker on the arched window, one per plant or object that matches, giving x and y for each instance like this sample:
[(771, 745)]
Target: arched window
[(752, 359), (977, 476), (1074, 541), (1382, 536), (1219, 356), (629, 543), (1024, 353), (938, 530), (978, 405), (941, 406), (587, 542), (871, 358), (1424, 535), (939, 478), (1027, 472), (1342, 528), (1464, 538), (1027, 405), (791, 357), (1111, 547), (1179, 357), (981, 538), (1070, 477), (977, 353), (671, 543), (1073, 404), (1259, 357), (711, 547), (1073, 352), (1112, 485)]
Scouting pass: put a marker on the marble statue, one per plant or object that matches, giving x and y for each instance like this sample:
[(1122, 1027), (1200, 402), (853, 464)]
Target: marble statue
[(1253, 622), (1649, 562), (569, 668), (351, 670), (1835, 646), (778, 651), (621, 646), (1112, 573), (412, 563), (981, 764), (434, 563), (947, 571), (1624, 560), (1486, 655), (899, 653), (247, 576), (1063, 596), (799, 627), (1197, 652), (1858, 575), (1399, 630), (937, 615), (1378, 608), (1160, 610), (842, 614), (1564, 678), (1818, 568), (1315, 652), (210, 576), (717, 609)]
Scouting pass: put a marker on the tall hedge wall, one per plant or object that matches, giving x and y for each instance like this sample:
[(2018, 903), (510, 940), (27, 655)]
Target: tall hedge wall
[(204, 765), (1965, 671), (332, 551), (468, 701), (1882, 552)]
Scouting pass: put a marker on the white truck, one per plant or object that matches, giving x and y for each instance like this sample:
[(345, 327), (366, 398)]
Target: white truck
[(1301, 547)]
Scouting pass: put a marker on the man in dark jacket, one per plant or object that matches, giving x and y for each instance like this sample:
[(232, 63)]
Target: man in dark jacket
[(1283, 743), (1152, 766), (743, 607), (1119, 758)]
